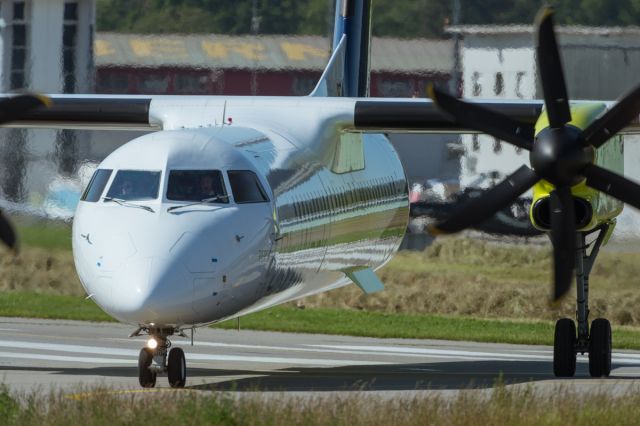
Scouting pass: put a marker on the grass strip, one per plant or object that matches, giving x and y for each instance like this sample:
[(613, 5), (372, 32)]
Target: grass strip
[(329, 321), (44, 234), (36, 305), (518, 406)]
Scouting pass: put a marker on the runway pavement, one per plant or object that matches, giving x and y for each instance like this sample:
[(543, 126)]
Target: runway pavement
[(65, 354)]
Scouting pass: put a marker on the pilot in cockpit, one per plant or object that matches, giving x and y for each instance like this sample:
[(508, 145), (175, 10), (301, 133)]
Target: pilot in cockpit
[(206, 186)]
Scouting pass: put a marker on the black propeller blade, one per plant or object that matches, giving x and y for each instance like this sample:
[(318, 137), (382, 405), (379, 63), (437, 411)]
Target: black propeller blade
[(484, 120), (11, 109), (550, 69), (561, 155), (613, 184), (626, 109), (563, 238), (492, 201), (7, 234)]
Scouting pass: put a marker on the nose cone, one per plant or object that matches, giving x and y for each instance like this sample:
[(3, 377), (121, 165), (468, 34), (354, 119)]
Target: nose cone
[(152, 290)]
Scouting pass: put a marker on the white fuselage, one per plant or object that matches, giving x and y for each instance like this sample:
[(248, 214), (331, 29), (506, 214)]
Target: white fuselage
[(335, 202)]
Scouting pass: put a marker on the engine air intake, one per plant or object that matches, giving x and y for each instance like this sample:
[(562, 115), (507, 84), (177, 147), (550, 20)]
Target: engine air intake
[(541, 213)]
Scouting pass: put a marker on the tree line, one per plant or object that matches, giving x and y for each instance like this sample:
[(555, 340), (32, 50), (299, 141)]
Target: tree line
[(391, 18)]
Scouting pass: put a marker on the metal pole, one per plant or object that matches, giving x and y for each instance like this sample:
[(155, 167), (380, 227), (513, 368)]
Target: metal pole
[(581, 296)]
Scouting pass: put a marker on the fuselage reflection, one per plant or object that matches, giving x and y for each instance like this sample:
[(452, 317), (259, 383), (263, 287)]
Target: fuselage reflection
[(278, 222)]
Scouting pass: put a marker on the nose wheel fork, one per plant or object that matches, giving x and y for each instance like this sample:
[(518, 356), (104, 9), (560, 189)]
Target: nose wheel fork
[(160, 360), (570, 340)]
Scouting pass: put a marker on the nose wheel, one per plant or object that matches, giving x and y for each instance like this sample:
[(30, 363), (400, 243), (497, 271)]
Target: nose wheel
[(154, 361), (146, 376), (177, 368), (596, 340)]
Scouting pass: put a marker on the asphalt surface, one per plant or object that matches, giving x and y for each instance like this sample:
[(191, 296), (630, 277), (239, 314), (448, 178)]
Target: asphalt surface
[(70, 355)]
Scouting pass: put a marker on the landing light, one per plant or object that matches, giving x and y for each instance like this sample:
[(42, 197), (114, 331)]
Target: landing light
[(152, 343)]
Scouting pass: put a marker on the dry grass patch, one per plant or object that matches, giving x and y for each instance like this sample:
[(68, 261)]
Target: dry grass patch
[(40, 270), (500, 406), (457, 276)]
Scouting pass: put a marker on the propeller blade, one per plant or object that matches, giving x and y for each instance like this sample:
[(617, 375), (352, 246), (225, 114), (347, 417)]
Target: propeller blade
[(626, 109), (563, 237), (12, 108), (554, 88), (613, 184), (478, 210), (7, 234), (484, 120)]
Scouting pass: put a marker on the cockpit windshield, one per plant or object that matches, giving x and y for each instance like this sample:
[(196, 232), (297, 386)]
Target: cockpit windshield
[(197, 185), (131, 185)]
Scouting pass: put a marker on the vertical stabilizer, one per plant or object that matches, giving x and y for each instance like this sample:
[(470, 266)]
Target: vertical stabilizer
[(347, 73)]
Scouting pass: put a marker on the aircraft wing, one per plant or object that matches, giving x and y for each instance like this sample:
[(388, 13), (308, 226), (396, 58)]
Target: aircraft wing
[(90, 112), (421, 115), (379, 115), (388, 115)]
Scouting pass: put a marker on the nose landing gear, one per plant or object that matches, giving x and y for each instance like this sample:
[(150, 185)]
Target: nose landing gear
[(153, 360), (596, 340)]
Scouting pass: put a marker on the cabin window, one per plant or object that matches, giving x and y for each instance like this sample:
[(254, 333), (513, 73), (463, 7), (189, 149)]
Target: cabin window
[(96, 185), (197, 185), (138, 185), (246, 187)]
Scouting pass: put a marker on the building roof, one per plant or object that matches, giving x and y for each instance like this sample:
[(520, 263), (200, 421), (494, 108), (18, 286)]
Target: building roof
[(480, 30), (263, 52)]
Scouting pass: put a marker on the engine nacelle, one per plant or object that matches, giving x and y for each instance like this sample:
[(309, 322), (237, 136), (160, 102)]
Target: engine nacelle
[(541, 213)]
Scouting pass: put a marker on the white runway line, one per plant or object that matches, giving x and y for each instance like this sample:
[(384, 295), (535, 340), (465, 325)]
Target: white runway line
[(360, 350), (59, 358), (439, 352), (53, 347)]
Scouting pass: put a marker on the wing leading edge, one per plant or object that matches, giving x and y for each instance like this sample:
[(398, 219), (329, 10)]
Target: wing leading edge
[(388, 115), (89, 112)]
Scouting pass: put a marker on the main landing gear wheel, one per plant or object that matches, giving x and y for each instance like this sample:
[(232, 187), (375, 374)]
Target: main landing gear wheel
[(177, 368), (600, 348), (146, 377), (564, 354)]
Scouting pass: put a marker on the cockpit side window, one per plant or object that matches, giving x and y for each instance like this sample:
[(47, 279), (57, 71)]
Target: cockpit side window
[(246, 187), (137, 185), (196, 185), (96, 185)]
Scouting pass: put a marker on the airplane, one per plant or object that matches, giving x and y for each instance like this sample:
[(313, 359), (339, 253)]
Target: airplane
[(237, 204)]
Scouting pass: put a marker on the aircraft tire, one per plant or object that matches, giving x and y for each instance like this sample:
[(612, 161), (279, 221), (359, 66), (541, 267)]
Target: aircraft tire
[(177, 368), (600, 348), (564, 354), (146, 377)]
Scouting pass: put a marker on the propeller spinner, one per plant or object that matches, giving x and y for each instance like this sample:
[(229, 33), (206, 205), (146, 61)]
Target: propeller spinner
[(562, 155)]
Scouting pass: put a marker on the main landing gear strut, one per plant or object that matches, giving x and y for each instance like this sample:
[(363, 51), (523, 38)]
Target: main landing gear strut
[(153, 360), (597, 340)]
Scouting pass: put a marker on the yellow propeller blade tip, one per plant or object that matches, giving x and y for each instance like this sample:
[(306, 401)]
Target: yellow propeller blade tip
[(434, 230), (545, 13), (46, 101), (431, 92)]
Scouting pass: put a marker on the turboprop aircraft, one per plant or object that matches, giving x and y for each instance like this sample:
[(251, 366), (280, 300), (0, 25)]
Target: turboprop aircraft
[(237, 204)]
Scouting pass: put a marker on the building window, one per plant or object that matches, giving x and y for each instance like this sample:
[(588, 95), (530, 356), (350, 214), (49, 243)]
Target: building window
[(498, 86), (475, 143), (69, 42), (497, 146), (303, 85), (519, 77), (394, 88), (113, 82), (19, 52), (475, 83), (153, 83), (190, 84)]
